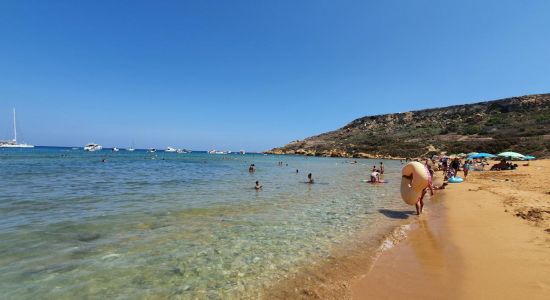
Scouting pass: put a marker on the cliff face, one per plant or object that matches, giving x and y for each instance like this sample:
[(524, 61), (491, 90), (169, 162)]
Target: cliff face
[(520, 124)]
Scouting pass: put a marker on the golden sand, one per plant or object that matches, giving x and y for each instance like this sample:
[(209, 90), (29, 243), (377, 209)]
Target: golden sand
[(491, 240)]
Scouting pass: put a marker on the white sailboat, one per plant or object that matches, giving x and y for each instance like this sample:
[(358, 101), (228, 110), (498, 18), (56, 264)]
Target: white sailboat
[(13, 143)]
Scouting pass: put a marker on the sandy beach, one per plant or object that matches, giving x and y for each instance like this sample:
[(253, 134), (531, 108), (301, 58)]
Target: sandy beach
[(487, 238)]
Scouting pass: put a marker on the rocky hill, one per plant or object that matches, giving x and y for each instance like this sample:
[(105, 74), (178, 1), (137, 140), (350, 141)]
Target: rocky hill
[(519, 124)]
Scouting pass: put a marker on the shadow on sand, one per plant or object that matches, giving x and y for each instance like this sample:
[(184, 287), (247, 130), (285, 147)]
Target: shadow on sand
[(395, 214)]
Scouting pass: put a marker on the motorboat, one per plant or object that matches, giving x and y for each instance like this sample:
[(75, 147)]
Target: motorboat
[(92, 147), (217, 152), (152, 150), (115, 149), (183, 151), (170, 149)]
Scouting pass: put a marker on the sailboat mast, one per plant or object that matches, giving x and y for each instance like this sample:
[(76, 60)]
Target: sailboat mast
[(14, 128)]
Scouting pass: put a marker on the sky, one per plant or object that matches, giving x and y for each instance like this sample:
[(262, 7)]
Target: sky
[(254, 75)]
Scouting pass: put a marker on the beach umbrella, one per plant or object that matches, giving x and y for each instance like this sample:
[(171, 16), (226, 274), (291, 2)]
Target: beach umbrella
[(511, 154), (481, 155), (472, 153), (528, 157)]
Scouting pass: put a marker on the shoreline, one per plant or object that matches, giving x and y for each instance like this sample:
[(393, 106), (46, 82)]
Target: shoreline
[(333, 277), (484, 245), (482, 239), (336, 155)]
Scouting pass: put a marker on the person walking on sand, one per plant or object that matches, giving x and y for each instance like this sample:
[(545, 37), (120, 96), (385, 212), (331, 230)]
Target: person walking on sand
[(455, 164), (420, 204), (466, 168), (309, 178)]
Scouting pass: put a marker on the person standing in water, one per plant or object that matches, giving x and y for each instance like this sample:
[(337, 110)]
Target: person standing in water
[(309, 178), (252, 168), (374, 176), (381, 168), (258, 186)]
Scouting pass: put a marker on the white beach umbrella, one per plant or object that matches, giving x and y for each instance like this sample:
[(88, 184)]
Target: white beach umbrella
[(511, 154)]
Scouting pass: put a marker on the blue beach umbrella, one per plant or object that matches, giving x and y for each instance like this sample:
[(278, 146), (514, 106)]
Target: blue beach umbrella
[(481, 155), (528, 157)]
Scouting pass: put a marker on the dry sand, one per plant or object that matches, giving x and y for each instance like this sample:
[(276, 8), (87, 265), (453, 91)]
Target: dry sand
[(487, 238)]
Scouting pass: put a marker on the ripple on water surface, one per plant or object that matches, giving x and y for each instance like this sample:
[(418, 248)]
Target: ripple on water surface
[(190, 225)]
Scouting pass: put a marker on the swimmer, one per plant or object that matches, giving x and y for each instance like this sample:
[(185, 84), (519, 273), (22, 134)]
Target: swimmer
[(309, 178), (252, 168), (297, 171), (258, 186)]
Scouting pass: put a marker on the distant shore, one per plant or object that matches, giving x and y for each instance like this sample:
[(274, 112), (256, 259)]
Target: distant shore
[(334, 153)]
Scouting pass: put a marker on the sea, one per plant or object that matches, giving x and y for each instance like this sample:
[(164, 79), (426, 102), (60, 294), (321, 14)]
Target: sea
[(140, 225)]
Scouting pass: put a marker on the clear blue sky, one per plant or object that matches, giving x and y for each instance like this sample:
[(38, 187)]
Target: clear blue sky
[(254, 74)]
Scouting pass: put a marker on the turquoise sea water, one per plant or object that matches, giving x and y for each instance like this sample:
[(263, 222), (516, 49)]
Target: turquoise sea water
[(175, 225)]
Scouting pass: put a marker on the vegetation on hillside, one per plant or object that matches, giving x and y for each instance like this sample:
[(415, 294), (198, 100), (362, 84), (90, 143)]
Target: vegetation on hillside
[(519, 124)]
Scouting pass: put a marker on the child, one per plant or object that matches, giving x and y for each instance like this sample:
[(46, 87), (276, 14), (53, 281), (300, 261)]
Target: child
[(466, 168)]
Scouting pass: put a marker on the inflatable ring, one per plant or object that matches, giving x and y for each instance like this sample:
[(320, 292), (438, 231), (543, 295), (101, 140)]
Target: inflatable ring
[(455, 179), (412, 189)]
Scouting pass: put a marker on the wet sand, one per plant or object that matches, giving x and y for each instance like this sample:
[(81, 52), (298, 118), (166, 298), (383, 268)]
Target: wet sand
[(489, 239)]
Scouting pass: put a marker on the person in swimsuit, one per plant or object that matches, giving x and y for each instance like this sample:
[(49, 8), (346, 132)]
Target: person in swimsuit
[(258, 186), (455, 164), (466, 168), (381, 168), (309, 178), (252, 168), (420, 203), (374, 176)]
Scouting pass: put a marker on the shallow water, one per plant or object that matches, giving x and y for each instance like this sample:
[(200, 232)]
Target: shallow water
[(175, 225)]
